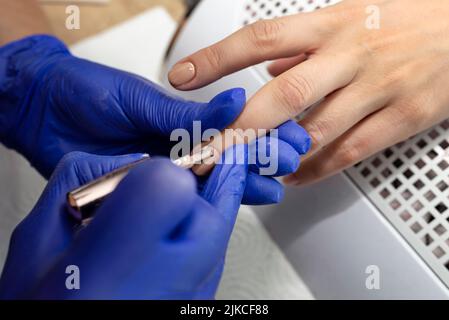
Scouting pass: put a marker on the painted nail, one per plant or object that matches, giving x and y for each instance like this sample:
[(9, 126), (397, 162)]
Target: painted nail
[(182, 73)]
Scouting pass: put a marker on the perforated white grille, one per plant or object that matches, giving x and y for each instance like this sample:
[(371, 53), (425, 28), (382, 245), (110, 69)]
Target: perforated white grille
[(408, 183), (267, 9)]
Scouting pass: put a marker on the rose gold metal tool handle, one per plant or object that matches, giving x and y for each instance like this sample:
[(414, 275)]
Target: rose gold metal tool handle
[(84, 200)]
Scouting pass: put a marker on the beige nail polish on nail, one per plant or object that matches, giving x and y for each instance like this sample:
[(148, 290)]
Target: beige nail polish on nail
[(182, 73)]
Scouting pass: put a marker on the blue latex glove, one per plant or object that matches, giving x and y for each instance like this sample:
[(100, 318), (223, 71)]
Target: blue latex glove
[(52, 103), (155, 237)]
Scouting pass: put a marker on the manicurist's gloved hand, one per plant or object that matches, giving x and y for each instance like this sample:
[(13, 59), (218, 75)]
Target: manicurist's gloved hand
[(154, 237), (52, 103)]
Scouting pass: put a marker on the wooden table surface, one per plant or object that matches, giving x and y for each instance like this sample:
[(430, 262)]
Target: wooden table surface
[(97, 17)]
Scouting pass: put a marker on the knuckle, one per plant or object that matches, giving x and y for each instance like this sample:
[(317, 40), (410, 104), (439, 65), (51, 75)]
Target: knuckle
[(350, 153), (327, 22), (265, 33), (315, 172), (214, 58), (71, 159), (412, 115), (405, 114), (292, 93), (425, 110), (318, 131), (74, 163), (389, 85), (393, 81)]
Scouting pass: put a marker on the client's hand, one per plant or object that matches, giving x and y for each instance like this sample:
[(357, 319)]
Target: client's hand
[(379, 71)]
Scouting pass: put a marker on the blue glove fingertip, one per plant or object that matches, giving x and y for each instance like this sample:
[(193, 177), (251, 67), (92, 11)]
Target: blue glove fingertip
[(306, 143), (230, 97), (262, 190), (278, 155), (224, 109), (296, 136)]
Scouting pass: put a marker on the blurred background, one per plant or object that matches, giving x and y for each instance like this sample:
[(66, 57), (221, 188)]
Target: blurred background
[(98, 15)]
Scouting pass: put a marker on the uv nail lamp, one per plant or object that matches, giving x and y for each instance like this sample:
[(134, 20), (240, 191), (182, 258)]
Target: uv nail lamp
[(390, 211)]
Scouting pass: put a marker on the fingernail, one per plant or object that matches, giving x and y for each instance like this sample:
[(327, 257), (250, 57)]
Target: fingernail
[(207, 164), (201, 169), (182, 73), (292, 180)]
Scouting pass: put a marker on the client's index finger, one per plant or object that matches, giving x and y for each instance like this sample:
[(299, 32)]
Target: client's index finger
[(261, 41)]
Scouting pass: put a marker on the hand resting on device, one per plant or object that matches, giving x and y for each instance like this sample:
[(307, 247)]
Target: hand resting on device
[(379, 71)]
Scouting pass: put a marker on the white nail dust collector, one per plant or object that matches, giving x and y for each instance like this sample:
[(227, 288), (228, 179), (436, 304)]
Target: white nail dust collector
[(387, 217)]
